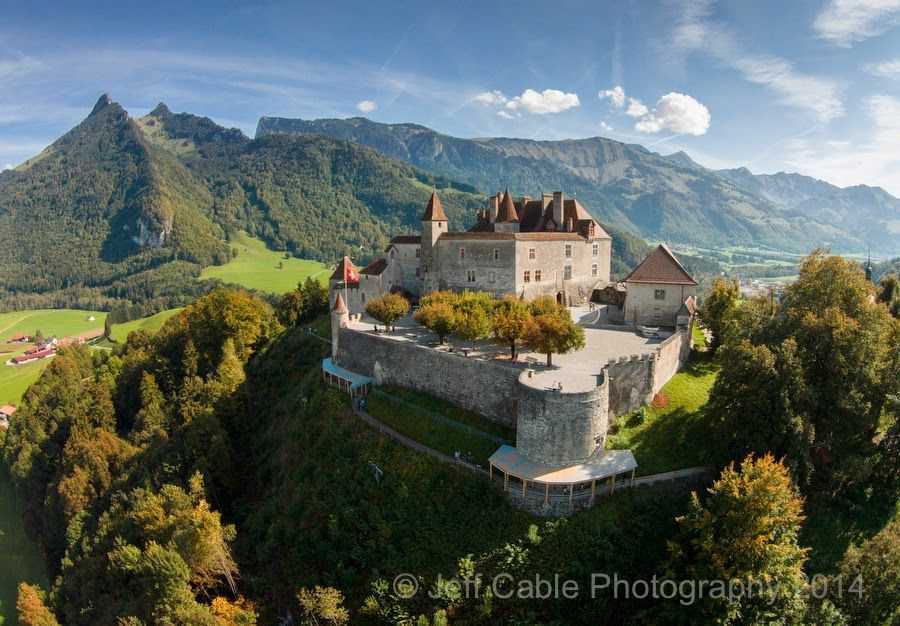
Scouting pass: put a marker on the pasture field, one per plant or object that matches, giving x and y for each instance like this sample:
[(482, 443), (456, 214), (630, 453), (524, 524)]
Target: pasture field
[(150, 324), (14, 380), (257, 267)]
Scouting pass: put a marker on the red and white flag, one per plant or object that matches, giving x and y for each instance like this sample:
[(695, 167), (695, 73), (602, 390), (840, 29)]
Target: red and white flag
[(351, 276)]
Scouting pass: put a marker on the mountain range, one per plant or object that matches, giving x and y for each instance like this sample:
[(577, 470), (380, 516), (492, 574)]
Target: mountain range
[(123, 210), (658, 197)]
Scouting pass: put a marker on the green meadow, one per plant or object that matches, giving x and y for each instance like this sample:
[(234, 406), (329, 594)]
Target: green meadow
[(257, 267), (14, 380), (150, 324)]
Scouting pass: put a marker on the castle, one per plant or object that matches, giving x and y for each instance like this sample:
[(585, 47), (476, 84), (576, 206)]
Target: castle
[(561, 414), (528, 248)]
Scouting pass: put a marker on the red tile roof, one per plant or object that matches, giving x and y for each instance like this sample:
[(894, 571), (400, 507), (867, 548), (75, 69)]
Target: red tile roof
[(339, 305), (406, 239), (434, 212), (507, 212), (375, 268), (661, 266), (342, 269), (7, 409)]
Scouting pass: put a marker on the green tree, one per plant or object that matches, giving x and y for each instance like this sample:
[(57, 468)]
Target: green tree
[(473, 320), (388, 308), (746, 530), (718, 306), (151, 420), (547, 305), (510, 321), (438, 317), (871, 578), (322, 606), (552, 333), (753, 402)]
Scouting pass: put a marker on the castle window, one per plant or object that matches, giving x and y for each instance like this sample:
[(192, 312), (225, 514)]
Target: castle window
[(594, 269), (418, 252), (470, 276), (596, 250), (496, 254), (659, 294), (492, 277), (568, 251), (537, 276), (363, 296), (462, 254), (567, 272), (527, 277), (531, 253)]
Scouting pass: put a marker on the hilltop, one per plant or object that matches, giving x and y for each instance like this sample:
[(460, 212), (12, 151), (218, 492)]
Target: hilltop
[(670, 198)]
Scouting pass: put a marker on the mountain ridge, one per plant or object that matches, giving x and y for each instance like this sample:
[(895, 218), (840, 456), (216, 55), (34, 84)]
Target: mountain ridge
[(659, 197)]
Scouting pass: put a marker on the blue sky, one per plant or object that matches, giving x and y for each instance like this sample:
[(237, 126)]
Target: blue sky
[(808, 86)]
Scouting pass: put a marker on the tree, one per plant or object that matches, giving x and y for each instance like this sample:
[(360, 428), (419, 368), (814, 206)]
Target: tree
[(438, 317), (107, 327), (322, 606), (388, 308), (38, 336), (551, 333), (240, 612), (753, 402), (510, 321), (746, 529), (31, 608), (871, 578), (547, 305), (473, 320), (718, 306), (150, 421)]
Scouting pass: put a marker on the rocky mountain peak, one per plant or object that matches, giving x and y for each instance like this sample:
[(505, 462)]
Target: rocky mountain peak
[(102, 103)]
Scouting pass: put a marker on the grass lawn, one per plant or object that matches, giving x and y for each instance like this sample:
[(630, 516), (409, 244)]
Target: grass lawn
[(14, 380), (150, 324), (20, 557), (674, 437), (257, 267), (425, 429)]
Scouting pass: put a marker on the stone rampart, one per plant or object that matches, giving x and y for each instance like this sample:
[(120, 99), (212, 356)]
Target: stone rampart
[(486, 387)]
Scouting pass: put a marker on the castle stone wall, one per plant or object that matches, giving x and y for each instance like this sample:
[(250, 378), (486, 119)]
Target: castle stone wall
[(482, 386), (630, 383), (558, 428), (672, 354)]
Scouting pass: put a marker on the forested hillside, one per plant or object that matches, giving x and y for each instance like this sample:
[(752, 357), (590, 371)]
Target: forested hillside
[(205, 475)]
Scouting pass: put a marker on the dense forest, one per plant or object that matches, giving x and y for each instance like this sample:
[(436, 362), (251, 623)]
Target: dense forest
[(123, 212), (204, 475)]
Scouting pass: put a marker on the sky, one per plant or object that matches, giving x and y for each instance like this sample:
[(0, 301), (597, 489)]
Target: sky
[(811, 86)]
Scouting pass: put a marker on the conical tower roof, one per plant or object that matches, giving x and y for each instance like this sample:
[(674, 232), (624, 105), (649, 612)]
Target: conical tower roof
[(339, 305), (434, 212), (507, 211)]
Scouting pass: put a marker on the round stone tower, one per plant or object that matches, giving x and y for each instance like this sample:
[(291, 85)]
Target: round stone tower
[(340, 316)]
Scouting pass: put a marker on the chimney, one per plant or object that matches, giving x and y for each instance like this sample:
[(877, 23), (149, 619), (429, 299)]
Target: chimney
[(495, 208), (570, 225), (558, 200)]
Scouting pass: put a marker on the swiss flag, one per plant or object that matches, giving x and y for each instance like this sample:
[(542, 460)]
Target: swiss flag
[(350, 274)]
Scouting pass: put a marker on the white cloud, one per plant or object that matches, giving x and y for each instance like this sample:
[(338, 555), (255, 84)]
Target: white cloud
[(636, 108), (8, 166), (873, 160), (616, 96), (677, 112), (695, 32), (531, 101), (491, 97), (605, 126), (885, 69), (547, 101), (366, 106), (844, 22), (506, 115)]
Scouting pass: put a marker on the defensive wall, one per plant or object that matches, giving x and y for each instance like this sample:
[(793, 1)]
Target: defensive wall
[(553, 427)]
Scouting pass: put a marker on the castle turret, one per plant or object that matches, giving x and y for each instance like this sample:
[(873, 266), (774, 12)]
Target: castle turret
[(340, 316), (869, 268), (434, 224), (558, 210), (508, 217)]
